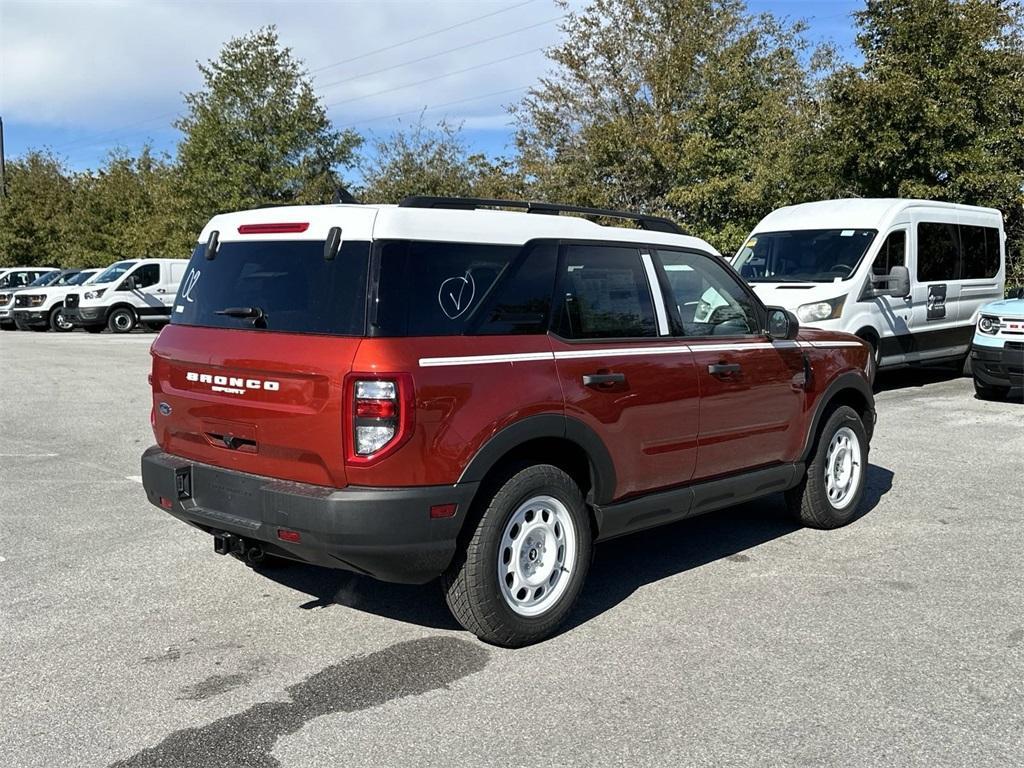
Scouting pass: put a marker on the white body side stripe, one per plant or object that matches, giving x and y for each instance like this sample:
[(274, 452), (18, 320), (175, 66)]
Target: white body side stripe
[(667, 349)]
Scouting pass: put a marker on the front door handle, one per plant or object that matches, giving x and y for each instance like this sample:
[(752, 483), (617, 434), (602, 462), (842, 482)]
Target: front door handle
[(723, 369), (603, 379)]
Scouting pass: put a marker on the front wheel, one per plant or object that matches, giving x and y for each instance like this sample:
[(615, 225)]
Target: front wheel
[(122, 320), (831, 491), (525, 562), (58, 322), (989, 392)]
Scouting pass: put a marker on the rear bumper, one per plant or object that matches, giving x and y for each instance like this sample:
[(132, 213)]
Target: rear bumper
[(83, 316), (384, 533), (998, 367)]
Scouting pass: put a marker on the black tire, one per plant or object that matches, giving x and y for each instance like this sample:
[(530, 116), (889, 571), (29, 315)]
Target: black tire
[(810, 501), (122, 320), (56, 316), (966, 366), (989, 392), (472, 587), (93, 329)]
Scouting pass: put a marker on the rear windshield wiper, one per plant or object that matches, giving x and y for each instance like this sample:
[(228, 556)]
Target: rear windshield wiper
[(242, 312)]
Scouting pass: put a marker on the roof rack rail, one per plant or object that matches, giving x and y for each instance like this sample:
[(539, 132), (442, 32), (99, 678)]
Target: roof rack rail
[(652, 223)]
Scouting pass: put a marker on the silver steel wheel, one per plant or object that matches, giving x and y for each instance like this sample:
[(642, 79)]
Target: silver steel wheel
[(62, 322), (122, 320), (843, 467), (537, 555)]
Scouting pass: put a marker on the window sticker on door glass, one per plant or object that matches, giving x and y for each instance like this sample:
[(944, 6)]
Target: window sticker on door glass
[(847, 233)]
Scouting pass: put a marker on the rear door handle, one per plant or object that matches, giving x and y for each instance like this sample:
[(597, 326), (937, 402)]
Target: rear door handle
[(723, 369), (597, 379)]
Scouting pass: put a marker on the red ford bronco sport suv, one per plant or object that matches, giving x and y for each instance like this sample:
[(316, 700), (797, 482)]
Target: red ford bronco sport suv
[(442, 389)]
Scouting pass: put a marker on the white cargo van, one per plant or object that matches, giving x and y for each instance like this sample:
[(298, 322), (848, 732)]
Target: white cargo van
[(907, 276), (125, 294)]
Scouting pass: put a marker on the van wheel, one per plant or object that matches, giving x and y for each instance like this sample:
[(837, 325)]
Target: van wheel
[(526, 560), (122, 320), (58, 322), (831, 490), (987, 392)]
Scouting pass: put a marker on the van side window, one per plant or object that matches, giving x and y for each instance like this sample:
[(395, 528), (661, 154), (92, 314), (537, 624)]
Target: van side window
[(709, 299), (981, 257), (938, 252), (147, 275), (605, 294), (893, 253)]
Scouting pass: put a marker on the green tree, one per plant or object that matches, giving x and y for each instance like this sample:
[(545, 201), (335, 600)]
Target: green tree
[(689, 108), (256, 134), (936, 110), (432, 161), (124, 210), (35, 213)]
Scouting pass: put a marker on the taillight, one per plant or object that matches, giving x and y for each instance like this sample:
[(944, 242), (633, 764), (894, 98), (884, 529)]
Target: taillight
[(381, 415)]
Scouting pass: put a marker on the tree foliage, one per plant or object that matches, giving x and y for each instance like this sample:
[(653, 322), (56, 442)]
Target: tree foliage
[(689, 108), (35, 211), (936, 111), (256, 134)]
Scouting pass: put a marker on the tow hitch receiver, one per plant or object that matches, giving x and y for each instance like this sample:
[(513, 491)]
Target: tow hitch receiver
[(227, 543)]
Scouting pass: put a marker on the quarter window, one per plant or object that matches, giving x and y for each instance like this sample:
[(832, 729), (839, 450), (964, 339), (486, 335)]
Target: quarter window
[(893, 253), (709, 299), (605, 294)]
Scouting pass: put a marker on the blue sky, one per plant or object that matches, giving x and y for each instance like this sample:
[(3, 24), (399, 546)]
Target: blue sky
[(86, 77)]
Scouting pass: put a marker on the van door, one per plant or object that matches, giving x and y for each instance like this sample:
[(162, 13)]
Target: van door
[(982, 270), (935, 289), (890, 316)]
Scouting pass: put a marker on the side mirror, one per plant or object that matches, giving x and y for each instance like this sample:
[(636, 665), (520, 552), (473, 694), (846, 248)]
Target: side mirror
[(899, 282), (782, 324), (129, 283)]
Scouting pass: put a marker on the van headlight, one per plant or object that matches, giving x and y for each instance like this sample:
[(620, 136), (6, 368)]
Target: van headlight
[(989, 325), (88, 295), (821, 310)]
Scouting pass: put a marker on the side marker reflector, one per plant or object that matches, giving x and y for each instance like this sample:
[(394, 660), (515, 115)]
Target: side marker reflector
[(441, 511)]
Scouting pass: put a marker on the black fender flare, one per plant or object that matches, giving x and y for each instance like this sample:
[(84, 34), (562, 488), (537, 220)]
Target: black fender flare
[(850, 380), (541, 426)]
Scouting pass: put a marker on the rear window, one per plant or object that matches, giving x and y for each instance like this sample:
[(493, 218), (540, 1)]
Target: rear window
[(290, 284)]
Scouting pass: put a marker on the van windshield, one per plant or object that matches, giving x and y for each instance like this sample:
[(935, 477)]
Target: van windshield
[(276, 285), (113, 272), (803, 256)]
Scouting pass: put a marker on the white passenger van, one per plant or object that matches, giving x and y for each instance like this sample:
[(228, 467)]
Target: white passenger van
[(907, 276), (125, 294)]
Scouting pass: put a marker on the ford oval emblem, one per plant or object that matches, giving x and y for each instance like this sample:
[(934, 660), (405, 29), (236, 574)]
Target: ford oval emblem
[(165, 409)]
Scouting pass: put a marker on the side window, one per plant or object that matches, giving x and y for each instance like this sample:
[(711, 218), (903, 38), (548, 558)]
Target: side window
[(605, 294), (938, 252), (893, 253), (981, 256), (147, 275), (434, 289), (709, 299), (521, 300)]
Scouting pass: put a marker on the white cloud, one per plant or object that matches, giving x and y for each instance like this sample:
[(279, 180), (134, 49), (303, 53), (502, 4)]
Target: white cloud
[(109, 66)]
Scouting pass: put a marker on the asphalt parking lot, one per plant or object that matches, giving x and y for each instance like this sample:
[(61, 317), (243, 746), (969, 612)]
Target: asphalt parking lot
[(734, 639)]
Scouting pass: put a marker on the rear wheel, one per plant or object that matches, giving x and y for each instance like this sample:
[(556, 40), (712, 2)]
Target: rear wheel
[(831, 491), (526, 560), (58, 322), (122, 320), (989, 392)]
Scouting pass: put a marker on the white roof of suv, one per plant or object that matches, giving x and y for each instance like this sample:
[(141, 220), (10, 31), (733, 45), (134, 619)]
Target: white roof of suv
[(385, 222)]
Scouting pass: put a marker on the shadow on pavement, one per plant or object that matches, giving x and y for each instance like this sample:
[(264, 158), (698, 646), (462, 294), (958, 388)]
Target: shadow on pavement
[(620, 566), (903, 378)]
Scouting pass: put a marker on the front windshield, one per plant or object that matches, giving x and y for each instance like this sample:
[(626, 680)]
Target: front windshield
[(79, 278), (803, 256), (47, 278), (114, 271)]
